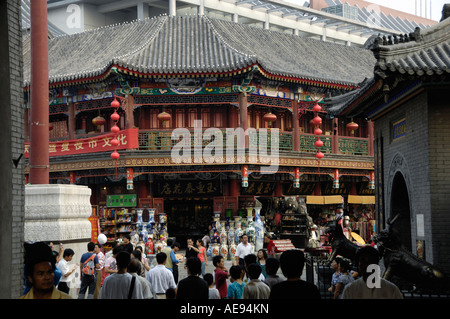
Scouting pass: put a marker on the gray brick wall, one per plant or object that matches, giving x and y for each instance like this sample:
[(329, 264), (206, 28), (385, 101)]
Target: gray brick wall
[(413, 149), (426, 168), (12, 193), (439, 141)]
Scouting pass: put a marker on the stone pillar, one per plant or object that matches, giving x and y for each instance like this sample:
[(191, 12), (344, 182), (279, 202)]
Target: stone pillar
[(59, 213)]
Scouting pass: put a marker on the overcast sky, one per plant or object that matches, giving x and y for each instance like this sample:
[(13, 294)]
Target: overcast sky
[(406, 6)]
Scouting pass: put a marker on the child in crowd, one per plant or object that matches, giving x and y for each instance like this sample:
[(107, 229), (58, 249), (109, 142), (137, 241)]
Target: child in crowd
[(236, 288), (221, 275), (213, 292)]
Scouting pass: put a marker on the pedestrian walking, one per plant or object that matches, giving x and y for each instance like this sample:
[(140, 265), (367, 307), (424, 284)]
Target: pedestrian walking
[(100, 276), (236, 288), (243, 249), (272, 278), (171, 259), (160, 277), (121, 285), (359, 289), (66, 271), (292, 262), (134, 269), (40, 271), (221, 275), (88, 265), (344, 279), (202, 255), (255, 288), (193, 287), (213, 292), (110, 263)]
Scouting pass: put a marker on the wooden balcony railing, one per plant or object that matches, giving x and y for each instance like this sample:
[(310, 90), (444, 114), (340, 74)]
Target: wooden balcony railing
[(154, 140)]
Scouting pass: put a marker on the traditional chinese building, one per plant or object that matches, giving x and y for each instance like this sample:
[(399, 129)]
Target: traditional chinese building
[(170, 73), (407, 100)]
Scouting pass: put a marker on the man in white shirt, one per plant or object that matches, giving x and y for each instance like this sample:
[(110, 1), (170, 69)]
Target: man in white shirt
[(135, 268), (161, 278), (118, 285), (370, 288), (66, 271), (243, 249), (101, 262)]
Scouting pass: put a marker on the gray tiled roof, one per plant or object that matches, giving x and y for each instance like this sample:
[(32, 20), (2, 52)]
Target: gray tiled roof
[(420, 54), (427, 54), (198, 44)]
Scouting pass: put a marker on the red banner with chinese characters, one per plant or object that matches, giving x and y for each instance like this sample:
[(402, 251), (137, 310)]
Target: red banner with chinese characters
[(128, 139), (94, 228)]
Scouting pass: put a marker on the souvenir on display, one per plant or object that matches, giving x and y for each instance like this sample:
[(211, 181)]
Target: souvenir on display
[(215, 250), (224, 251), (259, 230)]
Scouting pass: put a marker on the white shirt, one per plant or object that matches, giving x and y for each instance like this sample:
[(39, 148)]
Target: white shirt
[(63, 266), (145, 285), (161, 279), (243, 250), (117, 286), (101, 260), (359, 290)]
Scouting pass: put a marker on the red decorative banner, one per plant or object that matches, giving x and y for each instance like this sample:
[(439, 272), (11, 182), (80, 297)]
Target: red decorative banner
[(94, 228), (128, 139)]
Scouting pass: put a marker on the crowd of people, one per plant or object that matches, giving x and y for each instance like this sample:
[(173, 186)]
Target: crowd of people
[(124, 273)]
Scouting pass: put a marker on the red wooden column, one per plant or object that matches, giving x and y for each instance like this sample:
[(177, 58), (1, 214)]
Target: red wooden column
[(72, 126), (130, 112), (370, 135), (295, 127), (335, 137), (39, 128), (243, 115)]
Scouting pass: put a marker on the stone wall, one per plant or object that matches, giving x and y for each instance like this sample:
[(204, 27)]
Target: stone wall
[(11, 145), (409, 155), (439, 141)]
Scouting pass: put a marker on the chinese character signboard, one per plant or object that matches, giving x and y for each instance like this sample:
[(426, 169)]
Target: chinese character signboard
[(399, 129), (128, 139), (187, 188), (121, 200)]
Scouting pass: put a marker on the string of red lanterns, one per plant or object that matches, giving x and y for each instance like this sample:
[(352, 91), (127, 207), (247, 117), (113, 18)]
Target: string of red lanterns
[(115, 117), (317, 120)]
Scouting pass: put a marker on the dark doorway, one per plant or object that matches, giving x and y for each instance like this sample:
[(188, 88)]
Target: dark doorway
[(188, 217), (400, 205)]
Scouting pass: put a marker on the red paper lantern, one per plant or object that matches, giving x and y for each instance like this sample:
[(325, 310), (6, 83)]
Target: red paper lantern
[(269, 117), (317, 120), (115, 104), (319, 155), (164, 117), (317, 108), (98, 121), (317, 131), (115, 129), (318, 143), (115, 155), (352, 127), (115, 116), (115, 142)]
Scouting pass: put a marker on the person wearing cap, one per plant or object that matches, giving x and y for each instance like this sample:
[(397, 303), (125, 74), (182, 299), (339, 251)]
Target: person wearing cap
[(40, 270)]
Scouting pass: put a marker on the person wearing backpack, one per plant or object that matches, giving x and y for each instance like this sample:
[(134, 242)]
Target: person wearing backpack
[(88, 266)]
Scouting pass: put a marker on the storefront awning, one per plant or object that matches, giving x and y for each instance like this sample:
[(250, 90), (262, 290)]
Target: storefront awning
[(324, 200), (364, 200)]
